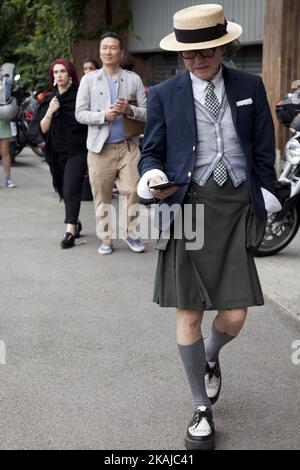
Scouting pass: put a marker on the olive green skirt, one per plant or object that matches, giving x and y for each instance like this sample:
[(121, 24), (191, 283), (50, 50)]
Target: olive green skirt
[(222, 274)]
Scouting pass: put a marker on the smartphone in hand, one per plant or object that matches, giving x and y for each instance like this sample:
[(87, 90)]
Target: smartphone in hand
[(166, 185)]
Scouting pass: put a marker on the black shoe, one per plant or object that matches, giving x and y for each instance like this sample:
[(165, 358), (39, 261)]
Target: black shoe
[(68, 241), (200, 434), (213, 381), (78, 229)]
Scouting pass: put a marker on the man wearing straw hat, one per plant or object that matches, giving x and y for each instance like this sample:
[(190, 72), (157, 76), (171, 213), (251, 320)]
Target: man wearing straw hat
[(210, 130)]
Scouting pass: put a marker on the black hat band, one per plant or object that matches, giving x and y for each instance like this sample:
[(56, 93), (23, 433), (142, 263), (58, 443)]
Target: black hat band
[(190, 36)]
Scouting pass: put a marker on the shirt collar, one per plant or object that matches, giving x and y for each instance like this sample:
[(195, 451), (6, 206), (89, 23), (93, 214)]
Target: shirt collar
[(113, 78), (202, 84)]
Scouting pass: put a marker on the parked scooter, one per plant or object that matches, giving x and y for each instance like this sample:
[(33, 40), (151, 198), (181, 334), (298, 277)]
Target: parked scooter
[(27, 105), (283, 226), (18, 127)]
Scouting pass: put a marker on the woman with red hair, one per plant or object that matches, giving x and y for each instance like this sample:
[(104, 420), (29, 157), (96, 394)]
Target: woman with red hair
[(66, 151)]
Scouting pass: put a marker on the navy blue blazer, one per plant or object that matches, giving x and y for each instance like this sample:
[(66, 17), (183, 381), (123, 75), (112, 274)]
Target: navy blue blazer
[(170, 139)]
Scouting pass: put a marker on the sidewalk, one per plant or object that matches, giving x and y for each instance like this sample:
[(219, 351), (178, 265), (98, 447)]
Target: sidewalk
[(280, 277), (91, 362)]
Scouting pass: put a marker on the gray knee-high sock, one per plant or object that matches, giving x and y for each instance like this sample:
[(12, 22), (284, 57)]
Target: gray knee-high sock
[(193, 359), (215, 342)]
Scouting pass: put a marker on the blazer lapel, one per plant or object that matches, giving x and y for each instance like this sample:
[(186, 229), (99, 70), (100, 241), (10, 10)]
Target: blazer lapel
[(187, 98), (231, 88), (103, 88), (122, 84)]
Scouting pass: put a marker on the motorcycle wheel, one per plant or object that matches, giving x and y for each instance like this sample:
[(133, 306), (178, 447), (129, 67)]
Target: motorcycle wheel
[(38, 151), (279, 234)]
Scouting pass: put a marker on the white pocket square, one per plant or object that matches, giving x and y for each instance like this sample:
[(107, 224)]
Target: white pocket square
[(244, 102)]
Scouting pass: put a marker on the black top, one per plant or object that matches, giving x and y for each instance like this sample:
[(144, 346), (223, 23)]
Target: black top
[(66, 136), (65, 133)]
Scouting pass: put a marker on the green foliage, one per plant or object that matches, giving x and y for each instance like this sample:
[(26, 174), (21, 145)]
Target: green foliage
[(34, 32), (12, 27)]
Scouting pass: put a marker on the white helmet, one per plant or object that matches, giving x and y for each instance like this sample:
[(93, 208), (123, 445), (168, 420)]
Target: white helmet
[(9, 110)]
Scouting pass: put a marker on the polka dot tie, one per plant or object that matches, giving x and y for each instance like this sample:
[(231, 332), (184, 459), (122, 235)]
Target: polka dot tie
[(213, 106)]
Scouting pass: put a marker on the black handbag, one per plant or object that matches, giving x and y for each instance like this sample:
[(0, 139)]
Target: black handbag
[(34, 133)]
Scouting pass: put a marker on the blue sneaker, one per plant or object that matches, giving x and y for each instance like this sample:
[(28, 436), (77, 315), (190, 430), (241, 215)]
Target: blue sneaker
[(135, 245), (9, 182)]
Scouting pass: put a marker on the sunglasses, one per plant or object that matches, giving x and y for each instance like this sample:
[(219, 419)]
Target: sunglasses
[(203, 53)]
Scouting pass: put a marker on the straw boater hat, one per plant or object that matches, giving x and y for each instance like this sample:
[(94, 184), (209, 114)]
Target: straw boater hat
[(200, 27)]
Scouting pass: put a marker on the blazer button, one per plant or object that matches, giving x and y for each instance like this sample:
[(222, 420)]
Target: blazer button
[(194, 148), (189, 174)]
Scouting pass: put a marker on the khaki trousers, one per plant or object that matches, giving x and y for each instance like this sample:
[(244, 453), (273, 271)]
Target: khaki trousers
[(115, 163)]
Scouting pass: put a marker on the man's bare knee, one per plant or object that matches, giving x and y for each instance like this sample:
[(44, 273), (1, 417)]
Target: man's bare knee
[(231, 321), (189, 321)]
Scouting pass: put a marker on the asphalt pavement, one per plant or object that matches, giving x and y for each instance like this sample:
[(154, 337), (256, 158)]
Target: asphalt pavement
[(87, 361)]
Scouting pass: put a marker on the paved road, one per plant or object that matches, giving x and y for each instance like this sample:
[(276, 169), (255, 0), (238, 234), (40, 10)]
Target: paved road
[(91, 363)]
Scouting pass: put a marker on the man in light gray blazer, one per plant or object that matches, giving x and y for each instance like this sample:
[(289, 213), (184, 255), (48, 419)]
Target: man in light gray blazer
[(111, 101)]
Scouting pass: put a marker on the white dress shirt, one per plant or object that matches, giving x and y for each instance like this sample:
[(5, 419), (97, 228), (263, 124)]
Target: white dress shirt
[(199, 86)]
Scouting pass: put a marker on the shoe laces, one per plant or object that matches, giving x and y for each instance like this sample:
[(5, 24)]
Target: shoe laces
[(199, 415), (211, 371)]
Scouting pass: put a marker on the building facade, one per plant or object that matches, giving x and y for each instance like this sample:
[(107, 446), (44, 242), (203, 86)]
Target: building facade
[(153, 19)]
